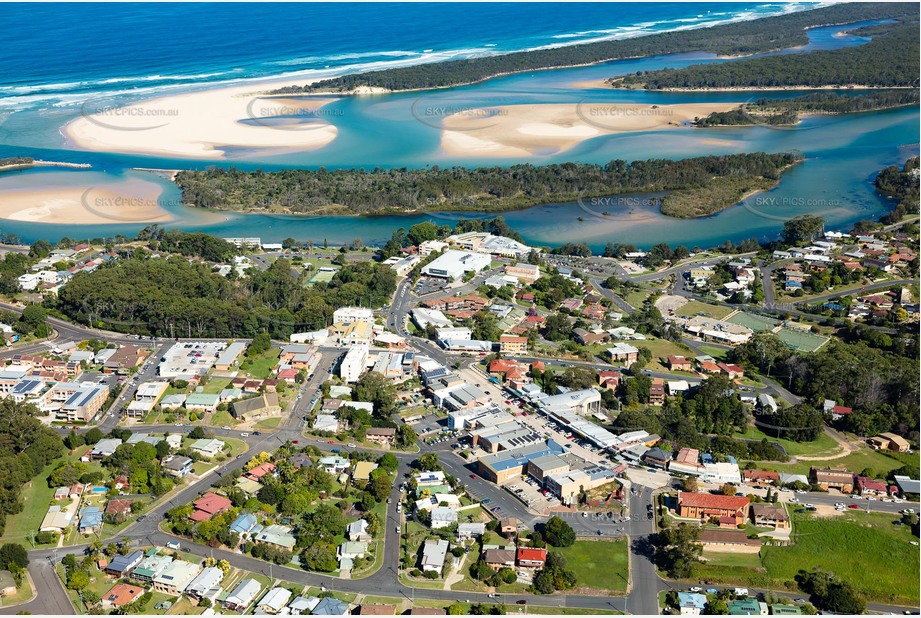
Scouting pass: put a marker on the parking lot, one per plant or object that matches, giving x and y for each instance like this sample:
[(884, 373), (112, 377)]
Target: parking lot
[(429, 285), (529, 492)]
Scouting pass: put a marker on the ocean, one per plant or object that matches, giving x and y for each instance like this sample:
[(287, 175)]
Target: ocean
[(59, 54)]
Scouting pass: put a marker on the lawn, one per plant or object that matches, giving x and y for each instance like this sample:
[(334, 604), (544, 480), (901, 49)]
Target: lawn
[(222, 418), (864, 458), (600, 565), (269, 423), (22, 594), (261, 366), (823, 445), (695, 307), (36, 498), (660, 348), (850, 545), (215, 385), (717, 353)]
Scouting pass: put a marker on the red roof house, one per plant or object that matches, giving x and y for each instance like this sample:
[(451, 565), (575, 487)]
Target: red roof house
[(531, 557), (208, 506)]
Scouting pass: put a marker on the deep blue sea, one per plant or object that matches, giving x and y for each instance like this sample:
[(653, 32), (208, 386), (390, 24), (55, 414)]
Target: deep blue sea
[(58, 53)]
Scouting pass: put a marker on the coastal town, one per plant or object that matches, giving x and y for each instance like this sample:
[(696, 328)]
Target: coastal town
[(460, 309), (485, 437)]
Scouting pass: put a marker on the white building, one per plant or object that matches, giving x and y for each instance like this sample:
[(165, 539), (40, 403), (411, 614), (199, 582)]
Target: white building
[(433, 554), (353, 363), (443, 516), (454, 265), (423, 317), (348, 315)]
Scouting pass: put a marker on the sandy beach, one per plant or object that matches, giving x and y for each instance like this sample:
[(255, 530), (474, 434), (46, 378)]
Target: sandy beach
[(206, 124), (517, 130), (129, 202)]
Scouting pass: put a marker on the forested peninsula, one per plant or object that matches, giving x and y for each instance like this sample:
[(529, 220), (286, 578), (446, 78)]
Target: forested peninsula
[(889, 60), (736, 39), (777, 112), (695, 187)]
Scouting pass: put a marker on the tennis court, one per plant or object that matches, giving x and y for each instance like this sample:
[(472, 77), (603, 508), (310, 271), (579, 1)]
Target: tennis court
[(801, 340), (756, 323)]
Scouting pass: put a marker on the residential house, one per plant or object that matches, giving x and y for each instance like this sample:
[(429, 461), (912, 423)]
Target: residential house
[(263, 469), (770, 515), (530, 557), (330, 606), (90, 520), (120, 595), (725, 541), (747, 607), (119, 510), (678, 363), (209, 505), (243, 524), (206, 585), (277, 535), (243, 595), (151, 566), (871, 487), (433, 554), (470, 531), (358, 531), (302, 605), (177, 466), (443, 516), (207, 447), (623, 353), (761, 477), (508, 526), (121, 566), (889, 441), (691, 603), (499, 558), (175, 577), (385, 436), (273, 601), (657, 457)]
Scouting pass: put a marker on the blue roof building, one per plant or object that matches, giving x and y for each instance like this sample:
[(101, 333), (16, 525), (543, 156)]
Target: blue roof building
[(90, 519), (243, 524)]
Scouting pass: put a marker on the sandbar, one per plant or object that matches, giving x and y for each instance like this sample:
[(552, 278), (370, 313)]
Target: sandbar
[(206, 124), (124, 203), (532, 129)]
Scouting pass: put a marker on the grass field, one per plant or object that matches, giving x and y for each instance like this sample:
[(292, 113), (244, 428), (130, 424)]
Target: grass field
[(865, 457), (717, 353), (601, 565), (269, 423), (824, 445), (216, 385), (261, 366), (695, 307), (660, 348), (862, 548)]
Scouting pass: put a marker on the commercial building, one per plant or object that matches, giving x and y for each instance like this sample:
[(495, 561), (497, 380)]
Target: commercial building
[(348, 315), (507, 465), (707, 506), (454, 264), (353, 363), (586, 401)]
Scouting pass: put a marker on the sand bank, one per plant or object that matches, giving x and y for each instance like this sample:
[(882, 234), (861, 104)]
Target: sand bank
[(509, 131), (125, 203), (206, 124)]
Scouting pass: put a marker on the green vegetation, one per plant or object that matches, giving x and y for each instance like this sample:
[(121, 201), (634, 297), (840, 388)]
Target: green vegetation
[(849, 545), (718, 181), (788, 111), (171, 297), (747, 37), (26, 448), (881, 385), (889, 60), (824, 444), (600, 565), (901, 185)]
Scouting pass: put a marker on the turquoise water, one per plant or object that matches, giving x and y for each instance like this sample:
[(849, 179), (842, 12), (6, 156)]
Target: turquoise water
[(842, 155)]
